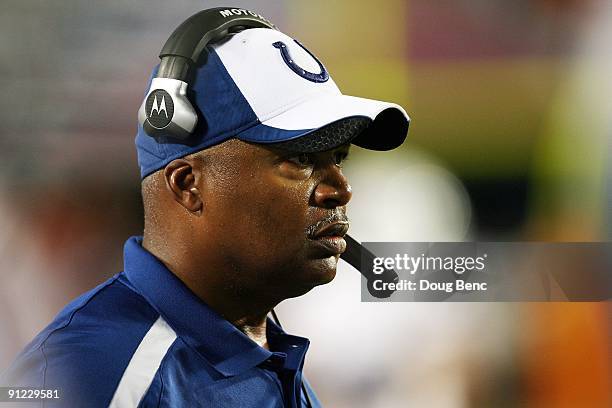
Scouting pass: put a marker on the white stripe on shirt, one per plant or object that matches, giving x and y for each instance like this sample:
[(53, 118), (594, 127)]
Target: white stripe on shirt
[(143, 365)]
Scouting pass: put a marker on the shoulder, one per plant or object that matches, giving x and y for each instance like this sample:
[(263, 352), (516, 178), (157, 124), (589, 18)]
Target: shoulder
[(87, 347)]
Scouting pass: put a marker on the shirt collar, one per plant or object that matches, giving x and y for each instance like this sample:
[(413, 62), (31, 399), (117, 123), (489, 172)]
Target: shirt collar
[(225, 347)]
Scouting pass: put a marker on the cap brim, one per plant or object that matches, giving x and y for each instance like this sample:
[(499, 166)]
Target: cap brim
[(386, 129)]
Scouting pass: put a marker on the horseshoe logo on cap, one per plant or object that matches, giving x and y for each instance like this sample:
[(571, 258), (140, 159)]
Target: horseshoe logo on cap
[(323, 76)]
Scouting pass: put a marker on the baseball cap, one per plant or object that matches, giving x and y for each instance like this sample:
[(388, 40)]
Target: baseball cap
[(262, 86)]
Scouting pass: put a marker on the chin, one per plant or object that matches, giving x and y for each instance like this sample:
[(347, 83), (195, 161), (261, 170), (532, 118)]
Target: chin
[(323, 270), (314, 274)]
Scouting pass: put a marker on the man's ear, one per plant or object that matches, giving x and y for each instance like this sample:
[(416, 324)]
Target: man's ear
[(181, 180)]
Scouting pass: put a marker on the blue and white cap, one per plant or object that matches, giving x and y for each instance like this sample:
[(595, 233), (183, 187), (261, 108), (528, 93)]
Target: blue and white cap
[(262, 86)]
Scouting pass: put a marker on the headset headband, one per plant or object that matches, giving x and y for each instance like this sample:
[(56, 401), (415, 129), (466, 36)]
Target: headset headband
[(191, 38)]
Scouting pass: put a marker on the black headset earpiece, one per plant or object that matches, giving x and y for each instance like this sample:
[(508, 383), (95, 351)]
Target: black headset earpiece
[(166, 109)]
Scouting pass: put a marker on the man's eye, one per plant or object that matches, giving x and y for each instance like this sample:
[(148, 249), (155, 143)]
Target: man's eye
[(340, 158), (303, 159)]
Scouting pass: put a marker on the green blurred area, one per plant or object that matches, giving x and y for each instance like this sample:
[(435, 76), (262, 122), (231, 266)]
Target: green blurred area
[(483, 118)]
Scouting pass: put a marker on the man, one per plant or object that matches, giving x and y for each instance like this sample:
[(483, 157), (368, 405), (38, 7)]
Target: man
[(247, 211)]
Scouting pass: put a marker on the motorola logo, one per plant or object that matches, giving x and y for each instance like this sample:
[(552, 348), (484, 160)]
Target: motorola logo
[(159, 108)]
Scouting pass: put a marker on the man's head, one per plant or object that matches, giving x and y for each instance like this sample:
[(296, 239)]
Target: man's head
[(255, 198), (274, 218)]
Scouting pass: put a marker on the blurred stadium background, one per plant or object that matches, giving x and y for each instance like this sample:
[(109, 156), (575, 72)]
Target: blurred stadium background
[(510, 140)]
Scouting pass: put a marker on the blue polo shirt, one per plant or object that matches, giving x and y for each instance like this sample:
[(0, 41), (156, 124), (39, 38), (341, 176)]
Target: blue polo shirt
[(143, 339)]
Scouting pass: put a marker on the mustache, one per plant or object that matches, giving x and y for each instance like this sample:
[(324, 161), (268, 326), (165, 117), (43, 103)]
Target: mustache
[(334, 216)]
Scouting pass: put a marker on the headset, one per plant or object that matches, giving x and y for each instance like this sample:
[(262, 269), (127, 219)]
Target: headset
[(181, 52)]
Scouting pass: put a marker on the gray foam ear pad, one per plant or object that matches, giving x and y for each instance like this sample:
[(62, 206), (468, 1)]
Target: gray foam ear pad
[(328, 137)]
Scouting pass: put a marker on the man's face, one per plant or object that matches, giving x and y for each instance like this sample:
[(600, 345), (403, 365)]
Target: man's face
[(276, 218)]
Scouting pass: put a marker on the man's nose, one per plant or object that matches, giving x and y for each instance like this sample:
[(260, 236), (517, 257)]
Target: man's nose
[(333, 190)]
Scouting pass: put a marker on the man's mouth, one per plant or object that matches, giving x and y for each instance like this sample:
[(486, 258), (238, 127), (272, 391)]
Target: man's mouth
[(335, 229), (330, 237)]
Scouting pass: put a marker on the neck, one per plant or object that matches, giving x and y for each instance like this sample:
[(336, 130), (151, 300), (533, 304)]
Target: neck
[(247, 312)]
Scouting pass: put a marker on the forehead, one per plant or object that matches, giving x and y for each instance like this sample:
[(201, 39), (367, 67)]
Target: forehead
[(234, 157)]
